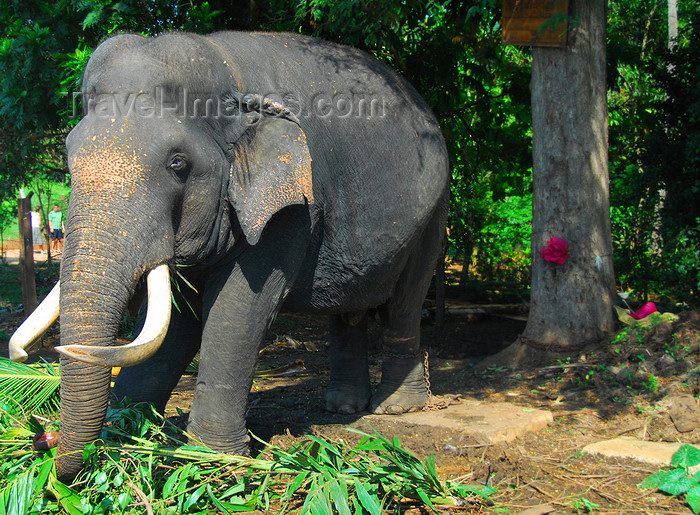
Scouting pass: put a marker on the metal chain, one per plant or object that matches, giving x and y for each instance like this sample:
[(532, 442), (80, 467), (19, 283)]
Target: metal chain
[(426, 370), (426, 374)]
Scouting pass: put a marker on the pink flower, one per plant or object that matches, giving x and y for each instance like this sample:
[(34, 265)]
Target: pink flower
[(643, 312), (556, 251)]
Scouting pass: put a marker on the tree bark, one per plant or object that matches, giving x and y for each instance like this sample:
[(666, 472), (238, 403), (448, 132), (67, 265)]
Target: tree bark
[(26, 255), (672, 24), (571, 303)]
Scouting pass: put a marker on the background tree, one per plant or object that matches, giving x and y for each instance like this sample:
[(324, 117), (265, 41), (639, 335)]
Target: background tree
[(30, 123), (654, 136), (571, 302)]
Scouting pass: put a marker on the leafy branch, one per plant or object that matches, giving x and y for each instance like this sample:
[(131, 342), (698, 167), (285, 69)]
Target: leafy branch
[(28, 388), (147, 462)]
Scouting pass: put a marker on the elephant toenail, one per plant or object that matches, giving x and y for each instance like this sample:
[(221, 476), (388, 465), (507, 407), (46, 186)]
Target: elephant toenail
[(394, 409)]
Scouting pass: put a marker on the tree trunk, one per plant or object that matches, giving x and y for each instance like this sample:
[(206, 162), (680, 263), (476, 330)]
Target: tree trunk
[(26, 255), (571, 303), (672, 24), (468, 255)]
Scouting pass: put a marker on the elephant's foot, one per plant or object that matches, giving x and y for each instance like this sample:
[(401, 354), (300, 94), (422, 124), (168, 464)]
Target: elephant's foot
[(392, 400), (347, 398), (227, 443), (403, 388)]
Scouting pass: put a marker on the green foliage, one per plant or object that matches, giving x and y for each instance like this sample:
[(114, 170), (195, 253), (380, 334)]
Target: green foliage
[(504, 253), (585, 506), (654, 157), (31, 130), (652, 384), (145, 460), (678, 480), (25, 476), (27, 389)]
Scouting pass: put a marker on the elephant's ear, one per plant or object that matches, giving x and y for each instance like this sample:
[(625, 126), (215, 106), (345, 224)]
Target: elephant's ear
[(270, 167)]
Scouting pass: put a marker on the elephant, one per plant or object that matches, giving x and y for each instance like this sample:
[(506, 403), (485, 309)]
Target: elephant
[(236, 173)]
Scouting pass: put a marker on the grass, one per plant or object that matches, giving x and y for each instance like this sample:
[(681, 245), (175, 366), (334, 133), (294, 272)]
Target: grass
[(146, 464)]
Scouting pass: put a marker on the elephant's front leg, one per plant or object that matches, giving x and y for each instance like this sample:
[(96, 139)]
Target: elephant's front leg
[(239, 307), (241, 300)]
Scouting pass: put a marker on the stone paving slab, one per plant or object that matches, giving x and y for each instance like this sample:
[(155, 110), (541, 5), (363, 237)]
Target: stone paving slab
[(654, 453), (486, 422)]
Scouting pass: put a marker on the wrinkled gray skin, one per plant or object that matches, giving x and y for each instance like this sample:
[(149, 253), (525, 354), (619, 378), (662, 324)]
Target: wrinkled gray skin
[(229, 198)]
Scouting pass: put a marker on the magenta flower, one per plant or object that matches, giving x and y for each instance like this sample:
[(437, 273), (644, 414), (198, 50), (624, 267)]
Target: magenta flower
[(556, 251), (643, 312)]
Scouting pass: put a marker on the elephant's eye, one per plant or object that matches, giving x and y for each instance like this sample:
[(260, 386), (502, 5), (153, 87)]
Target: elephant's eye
[(178, 164)]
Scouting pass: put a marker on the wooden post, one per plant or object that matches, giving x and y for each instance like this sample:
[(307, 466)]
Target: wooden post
[(26, 255)]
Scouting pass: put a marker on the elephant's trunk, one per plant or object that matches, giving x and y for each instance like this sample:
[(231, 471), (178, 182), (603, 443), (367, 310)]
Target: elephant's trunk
[(101, 267), (93, 298), (89, 323), (84, 399)]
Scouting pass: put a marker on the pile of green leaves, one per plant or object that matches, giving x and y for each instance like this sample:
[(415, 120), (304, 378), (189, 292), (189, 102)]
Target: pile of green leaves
[(145, 463), (679, 481)]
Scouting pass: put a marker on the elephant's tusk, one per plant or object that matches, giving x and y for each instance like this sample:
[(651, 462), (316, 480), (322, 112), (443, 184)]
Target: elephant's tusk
[(35, 325), (148, 341)]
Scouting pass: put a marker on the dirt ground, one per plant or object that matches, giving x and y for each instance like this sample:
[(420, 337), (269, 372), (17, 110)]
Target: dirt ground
[(625, 388)]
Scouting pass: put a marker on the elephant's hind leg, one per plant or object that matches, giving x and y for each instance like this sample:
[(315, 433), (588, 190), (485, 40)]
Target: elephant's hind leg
[(348, 390), (403, 387)]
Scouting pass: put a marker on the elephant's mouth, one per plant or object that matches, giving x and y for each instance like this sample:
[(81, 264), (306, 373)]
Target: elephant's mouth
[(143, 347)]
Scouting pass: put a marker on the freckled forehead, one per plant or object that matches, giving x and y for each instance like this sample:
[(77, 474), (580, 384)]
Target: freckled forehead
[(115, 145), (108, 162)]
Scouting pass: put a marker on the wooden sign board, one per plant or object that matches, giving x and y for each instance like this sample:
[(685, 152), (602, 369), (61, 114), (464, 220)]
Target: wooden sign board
[(535, 22)]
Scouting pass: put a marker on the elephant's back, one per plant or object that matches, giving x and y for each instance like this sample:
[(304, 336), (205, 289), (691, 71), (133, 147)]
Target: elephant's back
[(380, 167)]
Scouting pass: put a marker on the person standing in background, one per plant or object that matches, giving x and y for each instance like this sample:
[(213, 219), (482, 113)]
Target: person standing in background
[(37, 234), (56, 228)]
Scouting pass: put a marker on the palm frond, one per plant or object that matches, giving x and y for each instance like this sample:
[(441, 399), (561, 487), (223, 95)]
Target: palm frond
[(29, 389)]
